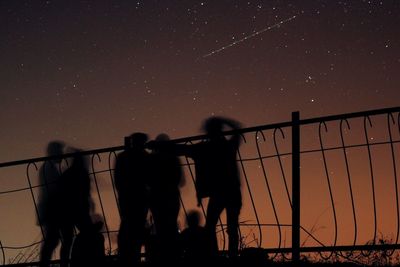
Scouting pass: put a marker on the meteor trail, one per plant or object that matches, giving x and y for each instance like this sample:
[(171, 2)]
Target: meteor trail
[(249, 36)]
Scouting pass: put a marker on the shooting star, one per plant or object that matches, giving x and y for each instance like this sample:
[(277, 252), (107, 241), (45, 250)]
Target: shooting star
[(248, 37)]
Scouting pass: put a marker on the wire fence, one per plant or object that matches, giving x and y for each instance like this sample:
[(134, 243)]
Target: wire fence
[(336, 196)]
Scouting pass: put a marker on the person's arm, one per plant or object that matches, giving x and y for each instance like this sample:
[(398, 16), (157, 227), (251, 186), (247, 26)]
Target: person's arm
[(234, 125)]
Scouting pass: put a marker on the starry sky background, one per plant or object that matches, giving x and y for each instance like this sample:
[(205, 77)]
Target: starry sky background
[(91, 72)]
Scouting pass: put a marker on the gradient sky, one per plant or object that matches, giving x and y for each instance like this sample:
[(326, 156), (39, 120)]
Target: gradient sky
[(91, 72)]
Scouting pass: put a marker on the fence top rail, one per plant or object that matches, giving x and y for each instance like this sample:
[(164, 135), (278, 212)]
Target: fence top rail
[(351, 115), (200, 137)]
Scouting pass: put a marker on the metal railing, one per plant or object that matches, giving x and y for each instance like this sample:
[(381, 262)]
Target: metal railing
[(347, 167)]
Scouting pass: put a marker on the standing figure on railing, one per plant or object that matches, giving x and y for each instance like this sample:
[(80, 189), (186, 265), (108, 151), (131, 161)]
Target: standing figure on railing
[(166, 178), (50, 214), (131, 172), (217, 177), (76, 202)]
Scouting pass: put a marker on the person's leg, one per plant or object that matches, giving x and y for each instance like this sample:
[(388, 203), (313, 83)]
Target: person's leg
[(51, 237), (131, 235), (67, 234), (232, 218), (170, 238), (127, 248), (214, 210), (154, 247)]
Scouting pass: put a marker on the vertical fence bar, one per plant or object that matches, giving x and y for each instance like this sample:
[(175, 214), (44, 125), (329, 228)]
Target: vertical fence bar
[(296, 186)]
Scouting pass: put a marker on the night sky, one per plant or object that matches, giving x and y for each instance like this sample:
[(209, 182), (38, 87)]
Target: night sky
[(91, 72)]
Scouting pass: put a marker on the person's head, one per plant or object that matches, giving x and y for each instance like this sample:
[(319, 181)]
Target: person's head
[(163, 137), (136, 141), (78, 158), (213, 126), (193, 218), (160, 139), (55, 148)]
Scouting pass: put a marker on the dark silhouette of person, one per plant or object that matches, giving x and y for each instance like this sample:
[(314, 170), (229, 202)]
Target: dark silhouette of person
[(75, 184), (217, 177), (131, 172), (166, 177), (194, 240), (88, 248), (53, 220), (69, 203)]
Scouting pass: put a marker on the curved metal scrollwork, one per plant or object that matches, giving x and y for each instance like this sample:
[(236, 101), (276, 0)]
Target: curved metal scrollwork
[(390, 118), (278, 154), (349, 177), (367, 118), (48, 167), (250, 193), (33, 196), (329, 185), (110, 169), (268, 186), (100, 200)]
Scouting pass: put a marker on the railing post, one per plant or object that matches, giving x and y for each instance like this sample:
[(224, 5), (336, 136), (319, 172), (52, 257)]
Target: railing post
[(295, 186)]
